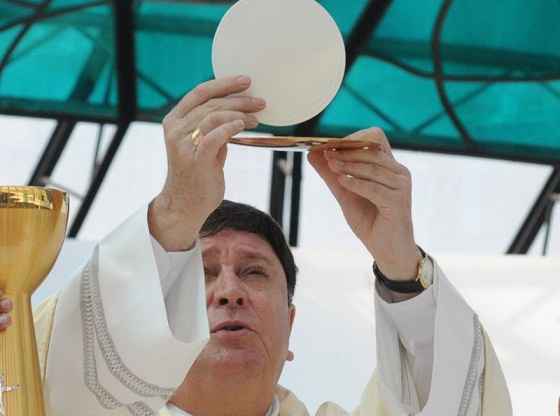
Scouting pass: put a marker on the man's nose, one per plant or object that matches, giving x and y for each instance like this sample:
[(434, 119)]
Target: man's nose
[(229, 290)]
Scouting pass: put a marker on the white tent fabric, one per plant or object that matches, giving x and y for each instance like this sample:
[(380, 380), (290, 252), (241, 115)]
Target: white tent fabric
[(516, 297)]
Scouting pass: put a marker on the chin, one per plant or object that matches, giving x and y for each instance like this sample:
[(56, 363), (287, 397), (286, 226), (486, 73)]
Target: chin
[(230, 360)]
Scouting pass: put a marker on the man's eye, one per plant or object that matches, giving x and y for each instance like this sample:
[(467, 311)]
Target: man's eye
[(254, 271)]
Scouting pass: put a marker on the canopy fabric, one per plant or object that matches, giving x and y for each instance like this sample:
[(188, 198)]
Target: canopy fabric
[(464, 76)]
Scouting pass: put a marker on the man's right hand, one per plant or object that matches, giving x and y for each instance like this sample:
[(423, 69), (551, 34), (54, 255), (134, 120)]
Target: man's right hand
[(6, 306), (195, 184)]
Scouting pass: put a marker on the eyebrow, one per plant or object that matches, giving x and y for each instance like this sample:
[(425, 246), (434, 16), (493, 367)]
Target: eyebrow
[(249, 255), (245, 254)]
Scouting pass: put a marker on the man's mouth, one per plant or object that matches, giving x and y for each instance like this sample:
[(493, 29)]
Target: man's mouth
[(231, 326)]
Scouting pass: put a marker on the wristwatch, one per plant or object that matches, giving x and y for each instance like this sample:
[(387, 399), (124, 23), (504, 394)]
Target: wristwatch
[(422, 281)]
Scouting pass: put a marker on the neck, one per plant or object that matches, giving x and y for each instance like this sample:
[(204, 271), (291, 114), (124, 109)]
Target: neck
[(203, 394)]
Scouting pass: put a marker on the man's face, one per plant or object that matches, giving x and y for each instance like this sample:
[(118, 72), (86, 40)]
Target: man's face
[(247, 300)]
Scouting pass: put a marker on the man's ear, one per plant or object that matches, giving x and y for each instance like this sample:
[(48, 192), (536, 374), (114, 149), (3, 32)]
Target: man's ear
[(292, 312)]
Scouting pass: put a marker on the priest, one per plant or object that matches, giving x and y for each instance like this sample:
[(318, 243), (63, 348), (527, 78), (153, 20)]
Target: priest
[(187, 308)]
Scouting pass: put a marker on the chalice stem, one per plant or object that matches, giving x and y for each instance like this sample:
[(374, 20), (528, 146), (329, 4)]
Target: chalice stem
[(23, 393)]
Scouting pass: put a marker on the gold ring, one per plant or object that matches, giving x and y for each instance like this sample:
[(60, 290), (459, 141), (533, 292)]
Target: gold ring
[(195, 137)]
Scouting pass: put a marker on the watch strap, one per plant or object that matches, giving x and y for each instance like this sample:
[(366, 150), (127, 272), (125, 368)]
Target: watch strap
[(408, 286)]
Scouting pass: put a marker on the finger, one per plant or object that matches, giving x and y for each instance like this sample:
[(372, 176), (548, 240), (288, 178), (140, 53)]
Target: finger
[(214, 120), (211, 89), (6, 305), (235, 103), (180, 137), (239, 104), (367, 156), (379, 194), (211, 143), (368, 171), (5, 321), (320, 164), (373, 135)]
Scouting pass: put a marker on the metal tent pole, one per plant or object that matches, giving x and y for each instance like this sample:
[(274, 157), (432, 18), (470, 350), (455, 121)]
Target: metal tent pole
[(98, 180), (55, 146), (278, 187), (536, 217), (126, 77)]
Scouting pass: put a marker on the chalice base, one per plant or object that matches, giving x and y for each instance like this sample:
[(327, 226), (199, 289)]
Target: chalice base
[(18, 355)]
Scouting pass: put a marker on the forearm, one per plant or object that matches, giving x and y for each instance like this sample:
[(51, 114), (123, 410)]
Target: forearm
[(431, 346), (182, 283), (413, 321)]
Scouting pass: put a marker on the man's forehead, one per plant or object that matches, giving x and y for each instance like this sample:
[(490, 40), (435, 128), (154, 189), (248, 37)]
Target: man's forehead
[(242, 242)]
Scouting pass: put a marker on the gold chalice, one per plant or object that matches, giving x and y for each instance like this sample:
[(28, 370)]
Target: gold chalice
[(32, 229)]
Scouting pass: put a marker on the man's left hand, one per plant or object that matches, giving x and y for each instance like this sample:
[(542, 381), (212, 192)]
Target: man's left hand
[(375, 194)]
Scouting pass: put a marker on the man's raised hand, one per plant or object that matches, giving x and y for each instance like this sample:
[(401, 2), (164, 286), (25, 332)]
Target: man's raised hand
[(375, 194), (195, 183)]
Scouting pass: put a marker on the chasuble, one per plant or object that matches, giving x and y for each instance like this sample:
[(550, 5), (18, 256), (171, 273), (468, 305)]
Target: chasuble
[(124, 333)]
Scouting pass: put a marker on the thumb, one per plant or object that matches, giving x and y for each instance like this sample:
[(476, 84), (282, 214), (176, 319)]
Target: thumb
[(222, 155)]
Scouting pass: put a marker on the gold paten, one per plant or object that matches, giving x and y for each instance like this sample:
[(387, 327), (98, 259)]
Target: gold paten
[(290, 143), (32, 229)]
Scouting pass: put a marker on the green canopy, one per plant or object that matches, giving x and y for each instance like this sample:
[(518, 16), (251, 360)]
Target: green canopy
[(466, 76)]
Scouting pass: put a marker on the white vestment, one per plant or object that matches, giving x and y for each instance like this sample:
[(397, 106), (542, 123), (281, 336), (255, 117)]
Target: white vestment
[(123, 335)]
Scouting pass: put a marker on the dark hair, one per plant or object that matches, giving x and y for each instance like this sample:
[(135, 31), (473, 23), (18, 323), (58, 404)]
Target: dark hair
[(242, 217)]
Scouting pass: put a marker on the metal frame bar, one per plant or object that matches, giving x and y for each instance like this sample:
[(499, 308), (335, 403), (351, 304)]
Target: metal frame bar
[(62, 132), (548, 222), (373, 108), (438, 74), (126, 76), (13, 45), (295, 199), (536, 217), (126, 59), (278, 187), (456, 104), (55, 146), (56, 13), (449, 49), (98, 179)]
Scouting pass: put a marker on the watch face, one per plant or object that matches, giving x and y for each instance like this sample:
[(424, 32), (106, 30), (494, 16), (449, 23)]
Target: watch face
[(425, 272)]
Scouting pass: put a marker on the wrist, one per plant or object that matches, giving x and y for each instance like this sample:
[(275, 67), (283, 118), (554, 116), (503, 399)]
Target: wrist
[(403, 268), (175, 229)]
